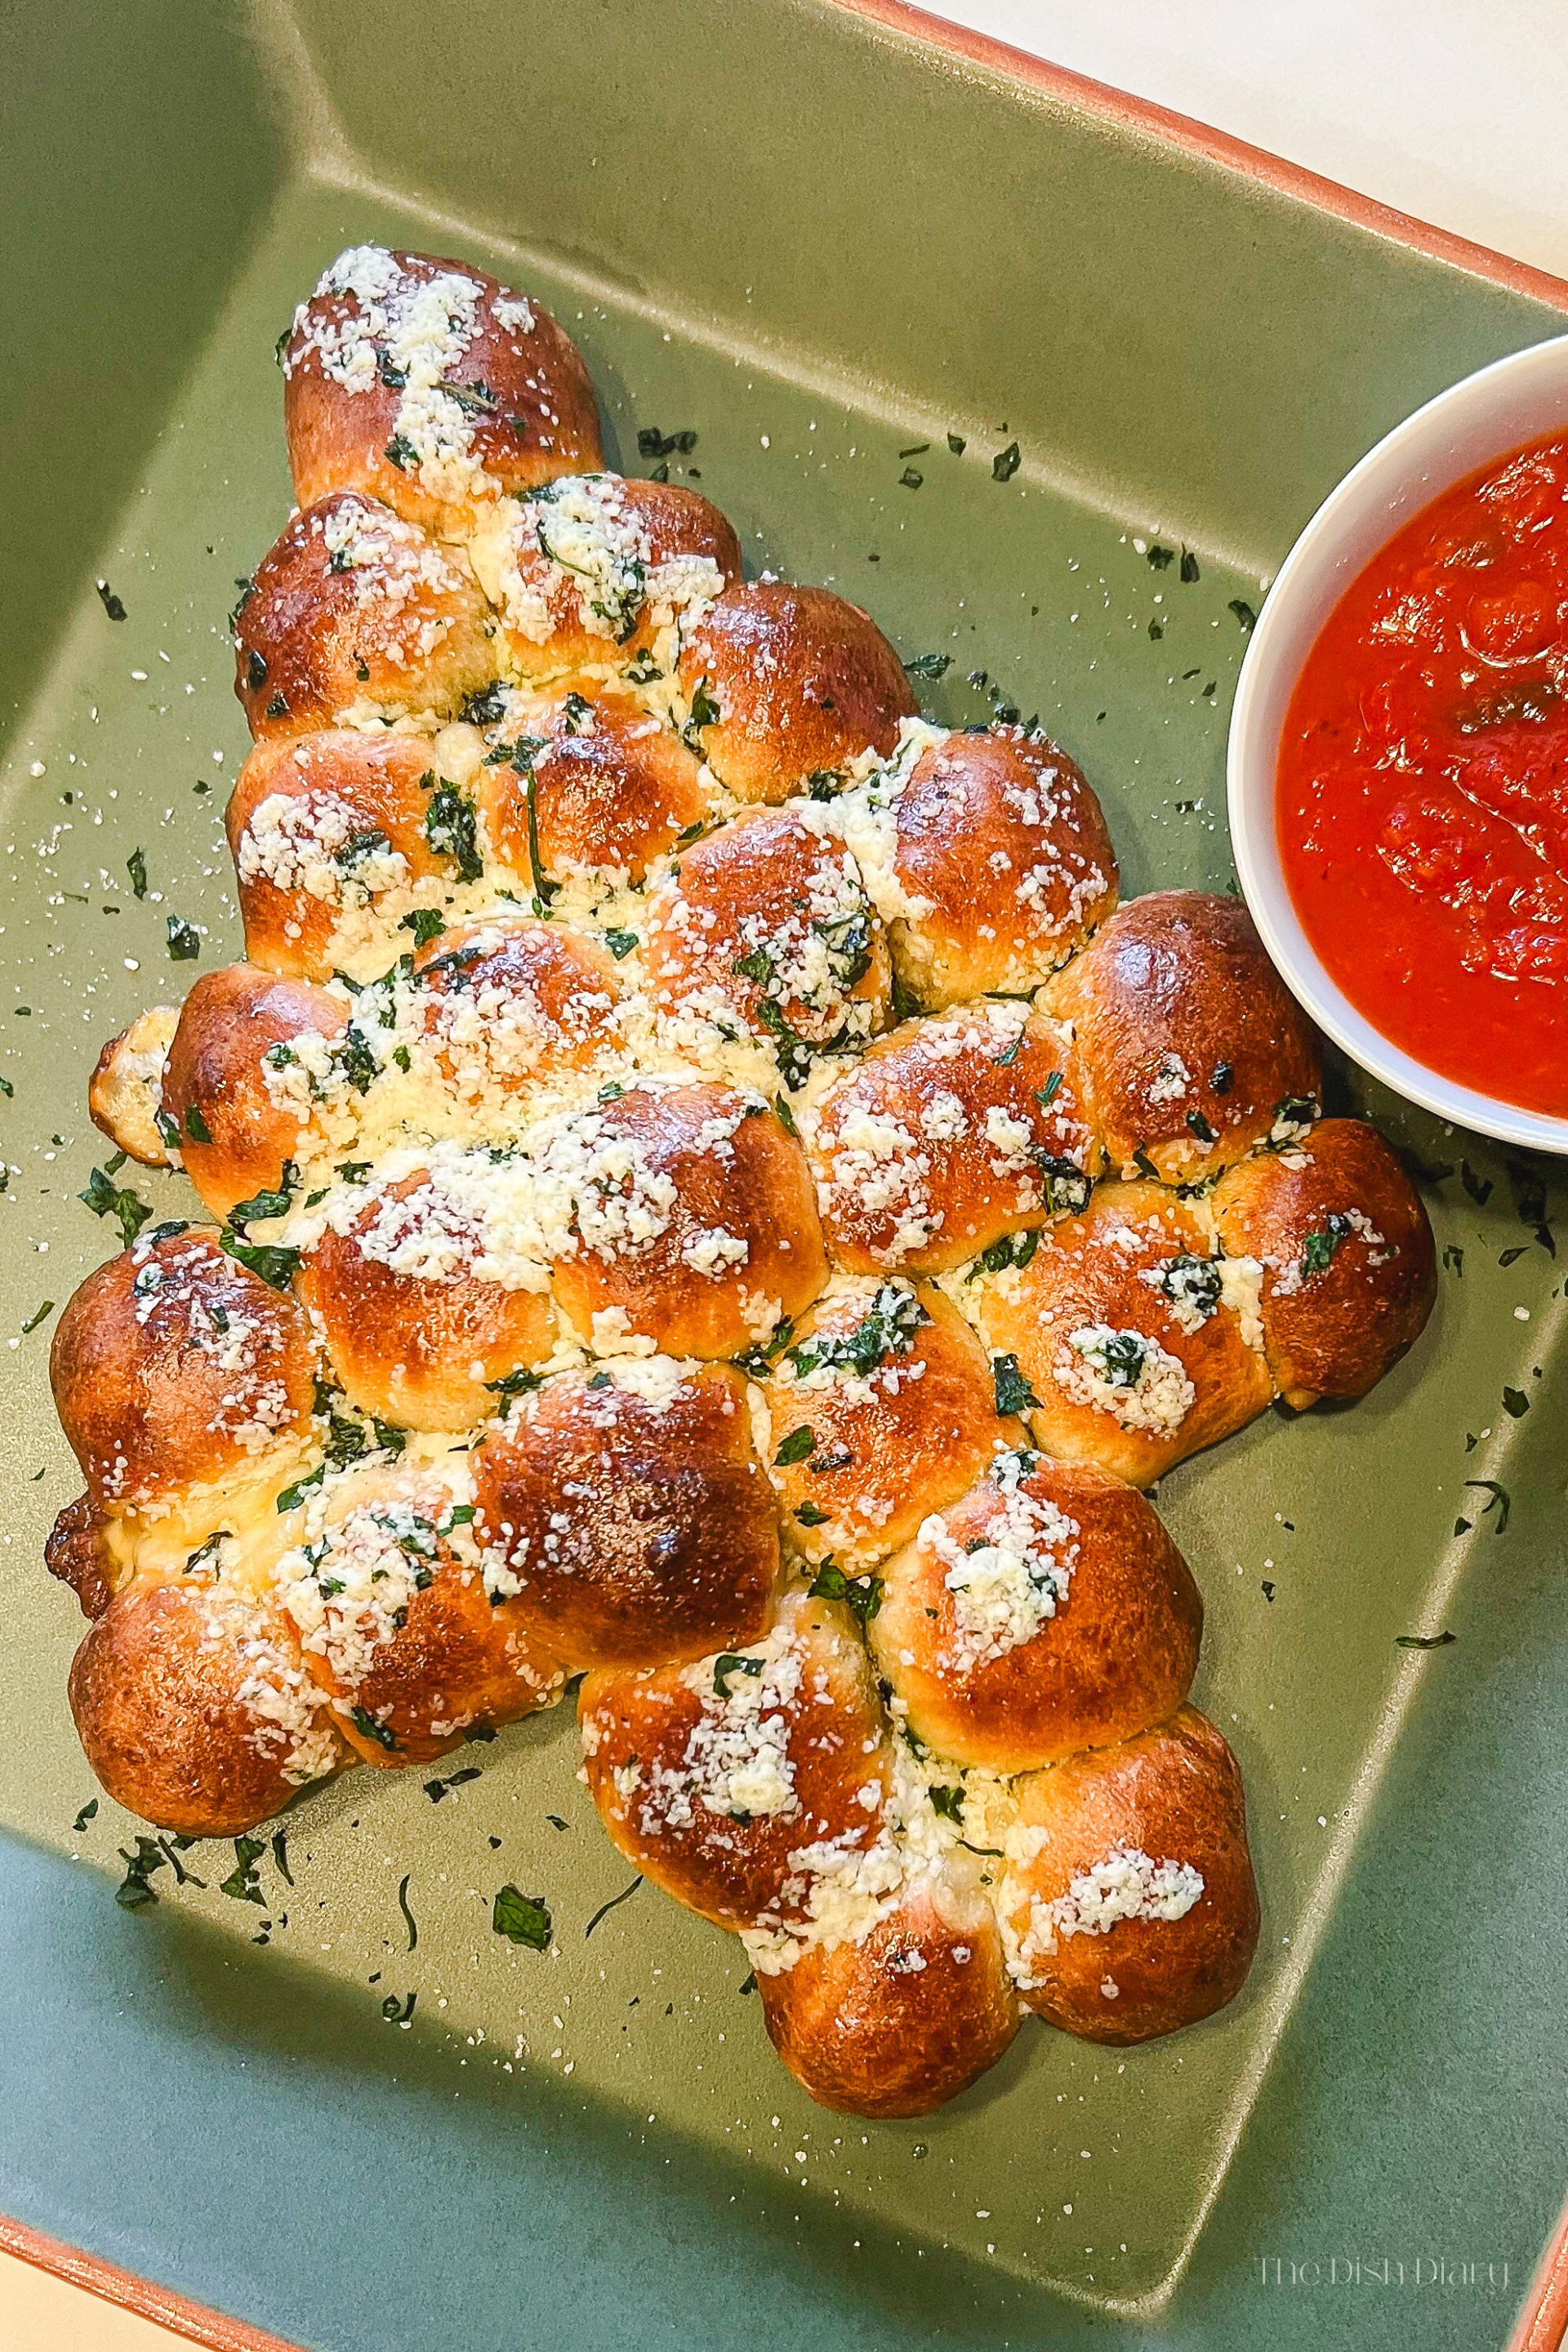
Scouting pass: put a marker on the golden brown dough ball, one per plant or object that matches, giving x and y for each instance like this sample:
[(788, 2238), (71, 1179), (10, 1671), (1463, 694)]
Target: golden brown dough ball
[(902, 2020), (1130, 1899), (125, 1092), (766, 925), (353, 610), (174, 1366), (743, 1784), (194, 1709), (432, 386), (881, 1410), (237, 1093), (948, 1135), (1003, 841), (402, 1618), (415, 1310), (1046, 1611), (592, 569), (1349, 1273), (511, 1001), (680, 1214), (1128, 1344), (323, 828), (1192, 1048), (612, 786), (785, 683), (631, 1508)]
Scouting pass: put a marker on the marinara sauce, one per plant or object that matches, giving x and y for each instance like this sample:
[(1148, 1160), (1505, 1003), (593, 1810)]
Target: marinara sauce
[(1422, 784)]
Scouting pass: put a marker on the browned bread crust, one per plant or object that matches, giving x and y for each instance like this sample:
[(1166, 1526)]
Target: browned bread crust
[(949, 1134), (1046, 1611), (125, 1092), (681, 1789), (768, 918), (239, 1027), (174, 1367), (193, 1707), (1349, 1268), (1130, 1364), (354, 611), (322, 826), (430, 385), (637, 1518), (1004, 845), (595, 570), (901, 2022), (785, 683), (898, 1398), (421, 1352), (606, 784), (73, 1551), (1190, 1045), (741, 1247), (1172, 1796)]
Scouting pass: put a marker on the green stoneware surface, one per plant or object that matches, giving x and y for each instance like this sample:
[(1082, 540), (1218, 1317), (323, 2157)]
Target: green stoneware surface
[(819, 244)]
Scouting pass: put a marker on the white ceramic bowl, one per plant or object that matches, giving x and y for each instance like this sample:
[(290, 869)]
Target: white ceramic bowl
[(1515, 400)]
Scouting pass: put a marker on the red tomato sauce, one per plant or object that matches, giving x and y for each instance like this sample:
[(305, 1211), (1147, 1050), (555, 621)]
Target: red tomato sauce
[(1422, 783)]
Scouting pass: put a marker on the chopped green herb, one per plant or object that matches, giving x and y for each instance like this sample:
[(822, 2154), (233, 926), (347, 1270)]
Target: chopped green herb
[(521, 1919), (910, 479), (705, 712), (1515, 1404), (407, 1913), (1480, 1188), (949, 1803), (888, 1327), (928, 666), (136, 1890), (136, 866), (1424, 1641), (400, 452), (1013, 1249), (451, 828), (268, 1203), (399, 2013), (615, 1901), (436, 1789), (1498, 1500), (785, 1114), (1321, 1246), (1243, 614), (185, 941), (810, 1515), (46, 1308), (732, 1664), (109, 601), (275, 1266), (242, 1882), (860, 1595), (1189, 570), (106, 1199), (620, 944), (1007, 462), (85, 1815), (956, 443), (366, 1724), (292, 1497), (1014, 1393)]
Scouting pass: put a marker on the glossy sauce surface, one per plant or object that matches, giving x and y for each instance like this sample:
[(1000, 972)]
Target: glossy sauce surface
[(1422, 783)]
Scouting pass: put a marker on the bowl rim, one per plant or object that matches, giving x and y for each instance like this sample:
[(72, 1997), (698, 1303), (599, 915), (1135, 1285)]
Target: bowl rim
[(1412, 465)]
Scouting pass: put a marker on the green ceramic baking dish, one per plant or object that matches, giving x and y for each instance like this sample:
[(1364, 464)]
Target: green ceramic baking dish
[(989, 350)]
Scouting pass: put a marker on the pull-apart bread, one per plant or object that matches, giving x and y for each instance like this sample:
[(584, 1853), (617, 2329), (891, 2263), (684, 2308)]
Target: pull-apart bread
[(703, 1192)]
